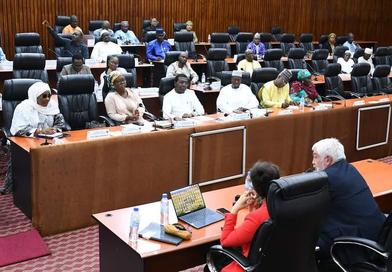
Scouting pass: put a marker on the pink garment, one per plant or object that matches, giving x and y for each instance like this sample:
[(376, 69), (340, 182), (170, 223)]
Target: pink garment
[(118, 107)]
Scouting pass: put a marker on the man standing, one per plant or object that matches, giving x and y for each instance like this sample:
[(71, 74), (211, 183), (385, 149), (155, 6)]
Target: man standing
[(257, 47), (276, 93), (182, 67), (248, 64), (156, 49), (236, 97), (124, 35), (76, 67), (73, 26), (353, 210), (366, 58), (351, 44), (181, 102)]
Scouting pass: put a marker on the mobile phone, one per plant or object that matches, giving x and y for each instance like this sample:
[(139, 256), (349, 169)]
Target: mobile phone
[(222, 210)]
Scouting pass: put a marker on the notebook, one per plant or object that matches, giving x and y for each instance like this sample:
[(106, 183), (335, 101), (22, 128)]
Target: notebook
[(189, 205), (155, 231)]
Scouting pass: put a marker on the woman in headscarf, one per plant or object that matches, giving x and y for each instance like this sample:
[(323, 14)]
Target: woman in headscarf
[(112, 65), (304, 87), (38, 114), (123, 105)]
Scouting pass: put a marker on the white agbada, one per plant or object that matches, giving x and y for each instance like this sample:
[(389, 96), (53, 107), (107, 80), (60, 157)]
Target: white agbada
[(175, 104), (230, 99), (28, 113), (369, 61), (102, 50), (347, 66)]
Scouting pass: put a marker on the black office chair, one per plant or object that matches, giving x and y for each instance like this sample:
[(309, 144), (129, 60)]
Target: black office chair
[(27, 43), (61, 22), (225, 78), (320, 60), (116, 26), (233, 32), (260, 76), (106, 88), (339, 52), (306, 42), (323, 41), (333, 83), (127, 61), (216, 61), (94, 25), (298, 206), (377, 255), (221, 40), (183, 41), (287, 42), (296, 58), (150, 36), (390, 55), (170, 57), (276, 32), (146, 23), (381, 81), (360, 80), (166, 84), (340, 40), (178, 26), (358, 53), (273, 58), (381, 56), (242, 40), (60, 63), (266, 39), (59, 48), (30, 65), (15, 91)]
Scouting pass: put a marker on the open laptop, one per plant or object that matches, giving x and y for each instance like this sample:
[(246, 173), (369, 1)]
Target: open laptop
[(189, 205)]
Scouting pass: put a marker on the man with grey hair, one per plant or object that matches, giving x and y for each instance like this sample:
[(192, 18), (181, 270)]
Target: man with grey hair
[(257, 47), (353, 210)]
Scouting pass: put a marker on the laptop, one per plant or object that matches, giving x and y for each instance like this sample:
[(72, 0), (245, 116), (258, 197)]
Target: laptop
[(189, 205)]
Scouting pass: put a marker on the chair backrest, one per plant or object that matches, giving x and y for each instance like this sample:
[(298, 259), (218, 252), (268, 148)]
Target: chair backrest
[(15, 91), (276, 32), (216, 61), (94, 24), (166, 84), (116, 26), (272, 58), (339, 52), (294, 75), (242, 40), (260, 76), (287, 42), (27, 43), (60, 63), (221, 40), (61, 22), (266, 38), (320, 60), (183, 41), (340, 40), (306, 41), (233, 31), (150, 36), (298, 206), (323, 40), (225, 77), (127, 61), (358, 53), (333, 82), (178, 26), (381, 80), (146, 23), (296, 58), (381, 56), (77, 101), (360, 80), (30, 65), (170, 57)]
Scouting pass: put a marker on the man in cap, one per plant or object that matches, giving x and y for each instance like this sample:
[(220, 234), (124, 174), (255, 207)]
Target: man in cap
[(124, 35), (248, 64), (105, 48), (236, 97), (188, 28), (156, 49), (256, 46), (276, 93), (105, 26), (351, 44), (346, 62), (366, 58)]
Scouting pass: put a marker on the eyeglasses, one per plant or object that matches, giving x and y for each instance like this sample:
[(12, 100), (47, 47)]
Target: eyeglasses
[(46, 96)]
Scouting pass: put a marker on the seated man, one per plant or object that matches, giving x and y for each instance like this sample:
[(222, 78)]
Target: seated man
[(105, 26), (156, 49), (105, 48), (304, 87), (124, 35), (71, 47), (276, 93), (236, 97), (76, 67), (346, 62), (181, 102), (248, 64), (353, 210), (189, 26), (366, 58), (351, 44), (154, 25), (73, 26), (182, 67), (257, 47)]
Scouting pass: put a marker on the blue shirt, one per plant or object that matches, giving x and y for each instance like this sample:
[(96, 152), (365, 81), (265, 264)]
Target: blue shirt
[(352, 47), (125, 37), (258, 50), (157, 50), (2, 55)]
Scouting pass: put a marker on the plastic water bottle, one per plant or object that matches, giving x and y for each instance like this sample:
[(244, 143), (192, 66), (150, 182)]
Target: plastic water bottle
[(134, 227), (209, 38), (164, 210), (203, 78), (248, 182), (302, 103)]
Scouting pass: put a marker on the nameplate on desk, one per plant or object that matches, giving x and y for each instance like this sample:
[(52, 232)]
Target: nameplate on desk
[(321, 107), (92, 134), (147, 91), (216, 85), (285, 112), (258, 112), (130, 128), (359, 103), (240, 116), (184, 123), (385, 99)]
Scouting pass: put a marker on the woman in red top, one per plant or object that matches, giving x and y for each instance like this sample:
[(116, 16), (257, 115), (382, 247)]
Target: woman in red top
[(262, 173)]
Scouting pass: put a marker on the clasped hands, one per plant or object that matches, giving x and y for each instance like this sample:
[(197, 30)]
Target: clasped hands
[(134, 117)]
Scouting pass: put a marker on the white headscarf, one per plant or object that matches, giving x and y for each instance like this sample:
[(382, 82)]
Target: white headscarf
[(34, 92)]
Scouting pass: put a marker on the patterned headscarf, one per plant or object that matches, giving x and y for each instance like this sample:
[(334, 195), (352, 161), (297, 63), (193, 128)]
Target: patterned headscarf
[(302, 74)]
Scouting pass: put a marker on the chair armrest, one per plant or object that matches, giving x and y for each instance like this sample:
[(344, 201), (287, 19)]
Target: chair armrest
[(233, 254), (107, 120), (334, 97)]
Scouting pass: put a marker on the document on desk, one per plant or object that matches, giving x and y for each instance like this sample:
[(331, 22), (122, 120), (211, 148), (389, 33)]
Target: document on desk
[(155, 231), (203, 118)]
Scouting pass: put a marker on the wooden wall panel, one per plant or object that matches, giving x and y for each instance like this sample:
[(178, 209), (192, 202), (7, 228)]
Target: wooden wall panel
[(368, 20)]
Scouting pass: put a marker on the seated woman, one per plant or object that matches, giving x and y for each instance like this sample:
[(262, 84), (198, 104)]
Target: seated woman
[(262, 173), (123, 105), (304, 87), (112, 65)]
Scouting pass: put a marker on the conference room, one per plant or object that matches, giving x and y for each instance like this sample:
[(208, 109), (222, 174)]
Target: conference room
[(187, 95)]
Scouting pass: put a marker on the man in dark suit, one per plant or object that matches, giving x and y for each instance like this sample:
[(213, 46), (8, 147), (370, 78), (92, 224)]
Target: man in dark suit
[(353, 210)]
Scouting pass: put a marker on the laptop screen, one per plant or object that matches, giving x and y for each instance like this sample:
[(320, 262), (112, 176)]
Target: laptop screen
[(188, 199)]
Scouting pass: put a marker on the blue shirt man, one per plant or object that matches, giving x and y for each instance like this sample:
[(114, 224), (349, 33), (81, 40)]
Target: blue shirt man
[(156, 49), (124, 35), (351, 44), (257, 47)]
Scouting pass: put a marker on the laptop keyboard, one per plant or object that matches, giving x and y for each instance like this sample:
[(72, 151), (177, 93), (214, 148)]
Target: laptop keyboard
[(202, 218)]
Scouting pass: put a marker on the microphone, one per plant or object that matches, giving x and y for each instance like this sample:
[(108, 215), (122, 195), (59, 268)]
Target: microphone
[(150, 116), (312, 70), (54, 52)]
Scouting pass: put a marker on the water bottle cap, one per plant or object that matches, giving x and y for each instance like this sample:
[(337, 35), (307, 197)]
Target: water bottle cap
[(164, 195), (136, 209)]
